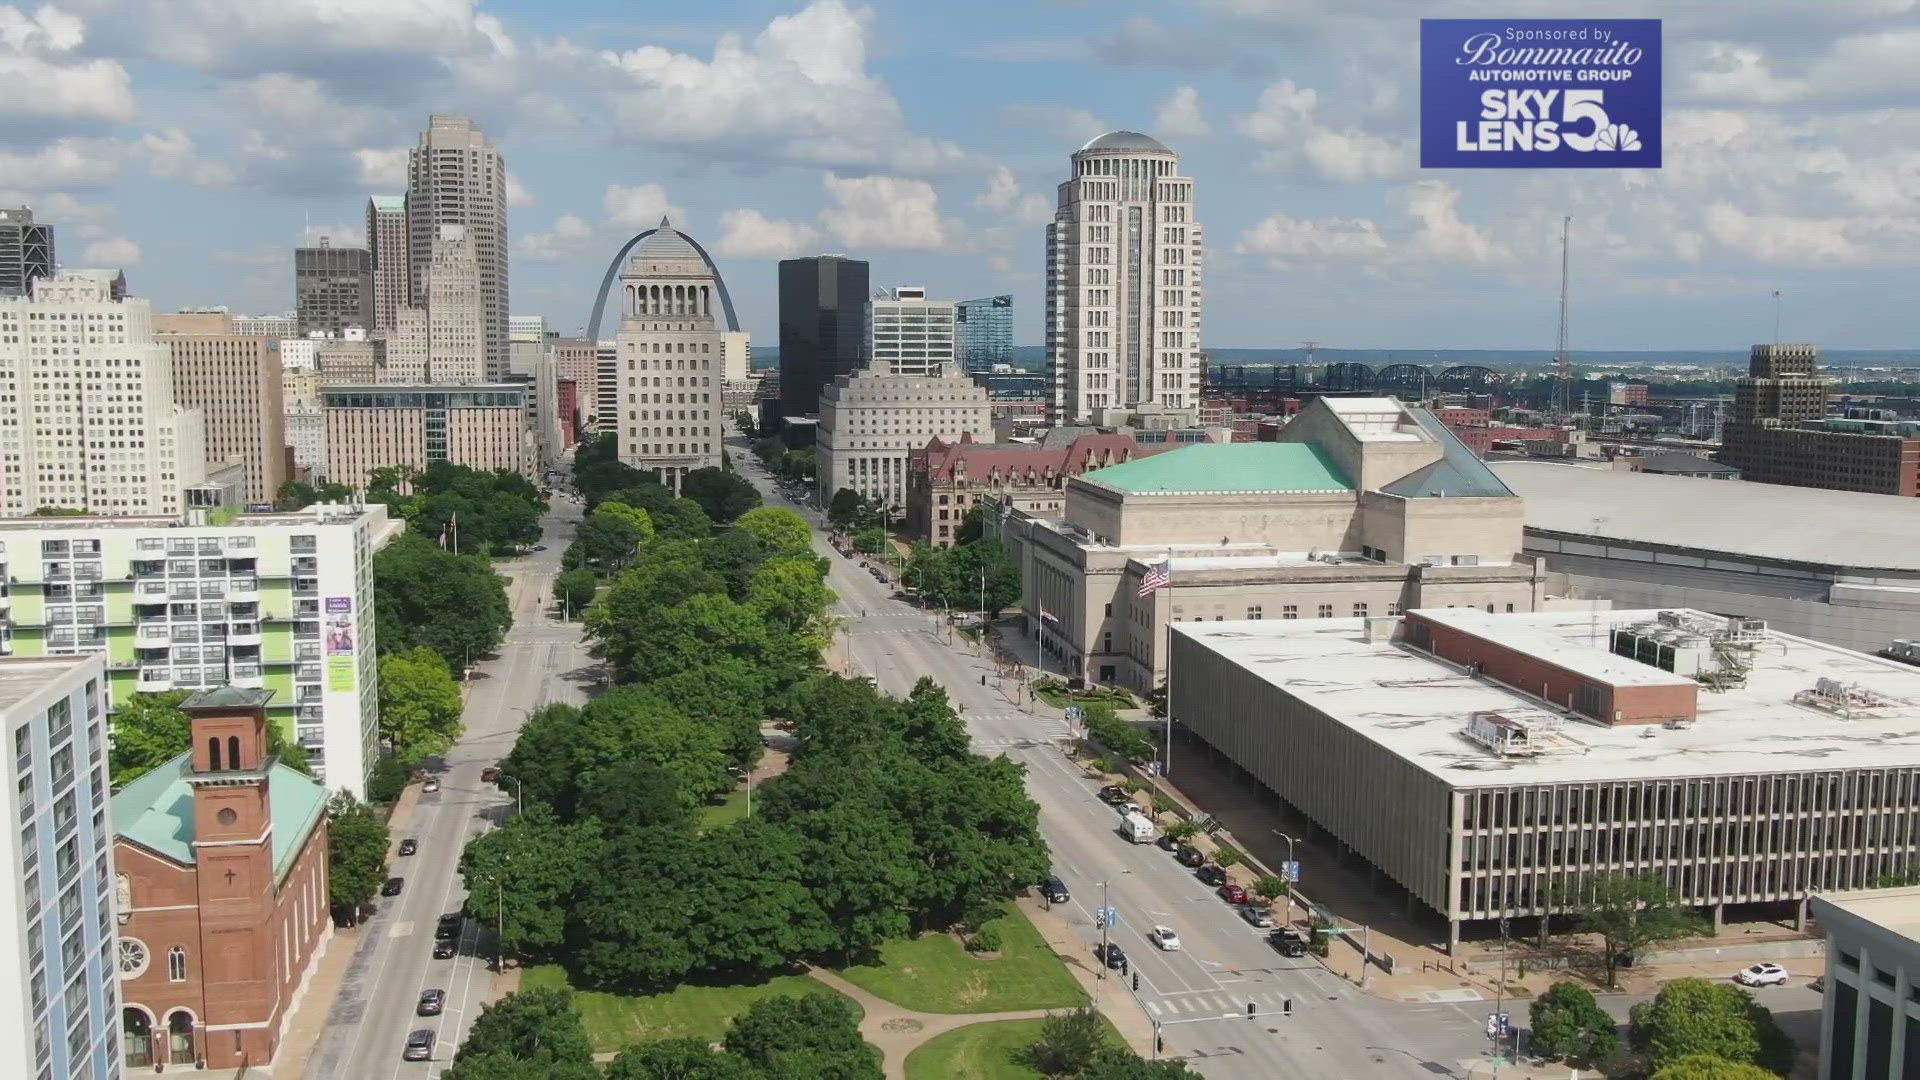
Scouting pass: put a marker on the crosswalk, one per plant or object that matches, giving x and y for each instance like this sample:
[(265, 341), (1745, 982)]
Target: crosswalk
[(1214, 1003)]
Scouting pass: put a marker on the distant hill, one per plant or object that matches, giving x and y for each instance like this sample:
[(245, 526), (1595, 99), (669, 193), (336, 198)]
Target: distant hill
[(1034, 357)]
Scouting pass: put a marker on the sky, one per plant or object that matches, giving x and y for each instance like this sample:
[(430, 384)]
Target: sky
[(196, 142)]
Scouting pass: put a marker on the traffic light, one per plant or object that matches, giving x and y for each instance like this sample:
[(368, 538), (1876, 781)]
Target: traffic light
[(1286, 1006), (1136, 982), (1249, 1010)]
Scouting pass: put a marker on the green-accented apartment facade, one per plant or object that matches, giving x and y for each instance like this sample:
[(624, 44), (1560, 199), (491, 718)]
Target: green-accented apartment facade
[(278, 601)]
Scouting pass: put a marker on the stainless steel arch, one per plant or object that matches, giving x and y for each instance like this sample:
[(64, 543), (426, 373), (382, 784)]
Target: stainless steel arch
[(613, 271)]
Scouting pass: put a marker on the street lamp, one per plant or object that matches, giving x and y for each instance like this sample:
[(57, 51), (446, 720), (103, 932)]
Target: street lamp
[(1289, 841), (519, 804), (748, 775), (1106, 924)]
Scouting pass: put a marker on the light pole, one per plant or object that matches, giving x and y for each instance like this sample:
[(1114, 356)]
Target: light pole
[(1289, 841), (1106, 924), (519, 804)]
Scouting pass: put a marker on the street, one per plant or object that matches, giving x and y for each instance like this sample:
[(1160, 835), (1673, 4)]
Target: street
[(541, 661), (1223, 964)]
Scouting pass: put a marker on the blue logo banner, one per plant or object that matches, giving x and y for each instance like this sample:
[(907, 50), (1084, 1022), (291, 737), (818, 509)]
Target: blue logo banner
[(1540, 93)]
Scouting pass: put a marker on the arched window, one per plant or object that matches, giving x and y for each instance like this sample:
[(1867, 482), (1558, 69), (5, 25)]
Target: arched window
[(233, 751), (213, 753), (176, 964), (180, 1038), (136, 1036)]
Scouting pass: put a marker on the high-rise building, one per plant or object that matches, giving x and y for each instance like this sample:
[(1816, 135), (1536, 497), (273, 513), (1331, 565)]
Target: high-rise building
[(983, 332), (26, 251), (456, 324), (910, 332), (670, 358), (278, 327), (235, 383), (222, 864), (179, 605), (333, 287), (740, 389), (1780, 432), (823, 326), (388, 242), (370, 427), (59, 959), (409, 347), (104, 434), (606, 390), (1123, 281), (456, 177), (350, 357), (871, 422)]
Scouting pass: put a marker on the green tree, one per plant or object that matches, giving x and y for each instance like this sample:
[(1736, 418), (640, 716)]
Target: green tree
[(1119, 1063), (149, 730), (1627, 914), (453, 604), (870, 541), (59, 511), (632, 724), (656, 643), (859, 870), (723, 495), (791, 593), (541, 1028), (1709, 1067), (294, 495), (356, 850), (420, 703), (679, 1059), (1696, 1016), (844, 508), (1105, 727), (817, 1022), (1568, 1023), (1270, 887), (1068, 1042), (575, 589), (523, 876), (608, 539), (633, 794), (778, 529), (386, 780)]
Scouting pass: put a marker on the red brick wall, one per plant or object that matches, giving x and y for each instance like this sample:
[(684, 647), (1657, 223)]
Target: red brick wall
[(1632, 704)]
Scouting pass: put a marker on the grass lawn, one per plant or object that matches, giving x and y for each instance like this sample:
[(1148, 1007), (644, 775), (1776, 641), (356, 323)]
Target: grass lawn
[(935, 974), (1060, 699), (616, 1020), (725, 812), (982, 1052)]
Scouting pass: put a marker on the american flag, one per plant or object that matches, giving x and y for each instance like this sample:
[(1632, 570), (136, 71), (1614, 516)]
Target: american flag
[(1158, 576), (1047, 616)]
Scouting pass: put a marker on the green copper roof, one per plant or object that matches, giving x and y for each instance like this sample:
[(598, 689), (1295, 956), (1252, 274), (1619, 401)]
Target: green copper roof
[(156, 812), (1226, 468), (390, 204), (227, 697)]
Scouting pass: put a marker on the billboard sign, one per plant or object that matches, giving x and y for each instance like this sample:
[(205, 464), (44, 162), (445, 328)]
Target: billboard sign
[(1540, 93)]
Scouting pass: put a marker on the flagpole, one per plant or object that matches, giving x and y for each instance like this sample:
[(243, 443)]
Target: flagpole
[(1166, 765)]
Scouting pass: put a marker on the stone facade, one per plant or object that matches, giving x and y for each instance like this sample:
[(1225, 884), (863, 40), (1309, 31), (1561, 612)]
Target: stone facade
[(871, 422)]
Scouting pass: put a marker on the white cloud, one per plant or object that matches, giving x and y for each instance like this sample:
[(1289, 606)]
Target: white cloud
[(223, 33), (798, 91), (384, 167), (67, 163), (47, 81), (883, 212), (113, 252), (1282, 238), (1062, 122), (639, 207), (1003, 194), (1179, 115), (1286, 118), (1724, 71), (749, 234), (569, 236), (170, 155), (517, 193), (336, 234), (1438, 232), (1428, 228), (1795, 240)]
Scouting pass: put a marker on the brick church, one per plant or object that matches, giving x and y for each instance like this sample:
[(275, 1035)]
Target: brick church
[(222, 862)]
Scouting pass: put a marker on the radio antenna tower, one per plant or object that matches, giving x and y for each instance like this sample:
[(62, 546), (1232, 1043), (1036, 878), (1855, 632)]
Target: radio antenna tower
[(1562, 366), (1310, 347)]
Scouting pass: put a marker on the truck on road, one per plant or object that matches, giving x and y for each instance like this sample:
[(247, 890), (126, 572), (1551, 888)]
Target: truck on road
[(1136, 827)]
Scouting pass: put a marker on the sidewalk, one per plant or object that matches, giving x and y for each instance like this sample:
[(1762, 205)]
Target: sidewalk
[(1111, 996)]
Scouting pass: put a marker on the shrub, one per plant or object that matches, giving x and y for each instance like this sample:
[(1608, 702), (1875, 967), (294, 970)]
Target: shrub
[(1226, 855), (985, 939), (1164, 805)]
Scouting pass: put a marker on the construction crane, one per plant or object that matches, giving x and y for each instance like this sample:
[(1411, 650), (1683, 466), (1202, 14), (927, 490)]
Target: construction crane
[(1562, 364)]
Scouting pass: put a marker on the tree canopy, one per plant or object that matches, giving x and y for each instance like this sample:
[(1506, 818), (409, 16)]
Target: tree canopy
[(778, 529), (356, 850), (1697, 1017), (1709, 1067), (539, 1032), (1627, 914), (426, 596), (479, 512), (150, 730), (723, 494), (420, 703), (294, 495), (1568, 1023)]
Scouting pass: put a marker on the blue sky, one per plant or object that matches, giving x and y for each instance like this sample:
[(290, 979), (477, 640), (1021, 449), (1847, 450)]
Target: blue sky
[(196, 141)]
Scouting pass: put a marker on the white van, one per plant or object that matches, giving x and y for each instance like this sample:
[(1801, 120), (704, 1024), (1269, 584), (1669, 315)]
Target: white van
[(1138, 828)]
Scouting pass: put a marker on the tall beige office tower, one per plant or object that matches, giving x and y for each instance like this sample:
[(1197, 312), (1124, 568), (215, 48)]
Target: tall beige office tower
[(456, 177), (235, 382), (387, 241), (456, 310), (1123, 281), (668, 384), (104, 434)]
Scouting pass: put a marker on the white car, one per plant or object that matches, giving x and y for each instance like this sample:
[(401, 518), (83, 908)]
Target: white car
[(1762, 975), (1164, 937)]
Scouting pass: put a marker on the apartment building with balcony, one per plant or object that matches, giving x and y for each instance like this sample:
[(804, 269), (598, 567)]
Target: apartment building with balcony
[(280, 601)]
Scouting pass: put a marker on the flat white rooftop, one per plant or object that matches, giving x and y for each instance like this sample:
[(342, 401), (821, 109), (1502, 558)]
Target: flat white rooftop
[(1417, 706), (1896, 910), (22, 677)]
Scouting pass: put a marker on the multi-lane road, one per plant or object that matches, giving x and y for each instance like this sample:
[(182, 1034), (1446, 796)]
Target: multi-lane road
[(1224, 964), (542, 661)]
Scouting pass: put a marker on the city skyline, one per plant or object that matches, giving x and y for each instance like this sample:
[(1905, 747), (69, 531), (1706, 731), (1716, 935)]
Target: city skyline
[(821, 127)]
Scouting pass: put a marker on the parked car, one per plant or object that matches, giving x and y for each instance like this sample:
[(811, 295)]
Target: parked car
[(449, 927), (490, 774), (1288, 942), (409, 846), (539, 547), (1190, 855), (1762, 975), (1232, 894), (1211, 874), (1115, 958), (419, 1046), (1168, 843), (1164, 937), (1114, 795), (393, 886), (1055, 891), (431, 1002), (444, 950), (432, 784), (1257, 915)]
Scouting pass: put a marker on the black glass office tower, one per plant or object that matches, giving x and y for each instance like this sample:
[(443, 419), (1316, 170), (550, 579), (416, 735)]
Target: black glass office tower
[(823, 326), (26, 252)]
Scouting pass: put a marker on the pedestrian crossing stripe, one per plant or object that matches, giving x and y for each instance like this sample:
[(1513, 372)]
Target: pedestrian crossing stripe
[(1210, 1004)]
